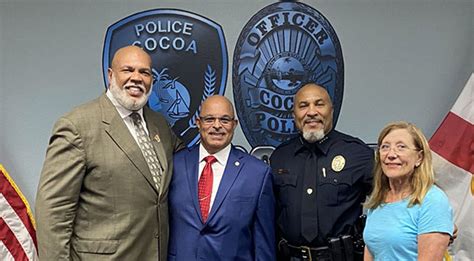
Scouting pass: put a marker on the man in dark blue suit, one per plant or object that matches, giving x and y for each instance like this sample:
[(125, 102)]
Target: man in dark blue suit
[(221, 199)]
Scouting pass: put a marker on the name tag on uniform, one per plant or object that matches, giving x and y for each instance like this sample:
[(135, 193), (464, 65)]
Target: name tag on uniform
[(282, 171)]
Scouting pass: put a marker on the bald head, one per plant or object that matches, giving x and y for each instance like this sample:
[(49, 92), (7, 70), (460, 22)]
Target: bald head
[(130, 52), (312, 88), (220, 102)]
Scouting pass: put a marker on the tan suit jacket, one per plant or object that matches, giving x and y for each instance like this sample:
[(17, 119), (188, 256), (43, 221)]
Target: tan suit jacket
[(96, 199)]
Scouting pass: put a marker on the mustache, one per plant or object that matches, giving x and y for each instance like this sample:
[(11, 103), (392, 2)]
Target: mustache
[(217, 132), (313, 118)]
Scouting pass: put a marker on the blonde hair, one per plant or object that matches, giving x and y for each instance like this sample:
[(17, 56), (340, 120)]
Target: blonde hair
[(422, 178)]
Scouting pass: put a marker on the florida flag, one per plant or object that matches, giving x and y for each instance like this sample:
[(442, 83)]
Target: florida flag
[(453, 158), (17, 227)]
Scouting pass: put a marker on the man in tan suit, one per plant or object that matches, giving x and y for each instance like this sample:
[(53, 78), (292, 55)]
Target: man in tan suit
[(98, 199)]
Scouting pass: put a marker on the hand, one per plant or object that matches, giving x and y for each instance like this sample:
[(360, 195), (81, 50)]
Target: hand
[(455, 234)]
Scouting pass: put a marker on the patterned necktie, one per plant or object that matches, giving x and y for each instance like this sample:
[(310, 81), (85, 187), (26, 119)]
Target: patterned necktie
[(205, 187), (147, 149)]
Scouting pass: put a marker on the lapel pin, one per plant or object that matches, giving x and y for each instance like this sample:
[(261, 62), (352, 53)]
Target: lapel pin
[(157, 138), (237, 163)]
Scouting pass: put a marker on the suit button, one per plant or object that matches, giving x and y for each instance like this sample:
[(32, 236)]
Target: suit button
[(157, 235), (204, 231)]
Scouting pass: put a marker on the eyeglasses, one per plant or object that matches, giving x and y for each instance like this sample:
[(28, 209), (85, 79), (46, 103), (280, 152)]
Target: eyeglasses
[(208, 120), (399, 149)]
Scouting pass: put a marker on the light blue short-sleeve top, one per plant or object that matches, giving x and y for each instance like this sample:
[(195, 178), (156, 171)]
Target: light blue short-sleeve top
[(392, 228)]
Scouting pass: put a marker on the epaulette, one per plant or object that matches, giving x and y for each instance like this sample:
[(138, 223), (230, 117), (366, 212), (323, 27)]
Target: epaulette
[(287, 142), (349, 138)]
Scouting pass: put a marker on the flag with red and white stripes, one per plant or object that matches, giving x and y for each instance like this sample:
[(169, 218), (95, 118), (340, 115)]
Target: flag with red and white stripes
[(17, 227), (453, 162)]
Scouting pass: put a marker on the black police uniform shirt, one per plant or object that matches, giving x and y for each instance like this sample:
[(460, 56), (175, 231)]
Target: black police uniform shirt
[(320, 187)]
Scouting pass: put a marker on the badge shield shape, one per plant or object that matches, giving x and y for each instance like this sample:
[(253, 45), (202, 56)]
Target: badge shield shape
[(189, 57), (283, 46)]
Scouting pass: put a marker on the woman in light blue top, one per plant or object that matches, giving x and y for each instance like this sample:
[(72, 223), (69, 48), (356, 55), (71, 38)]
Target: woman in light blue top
[(408, 218)]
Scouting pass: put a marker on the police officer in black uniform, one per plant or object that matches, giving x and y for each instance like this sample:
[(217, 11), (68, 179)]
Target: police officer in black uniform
[(321, 179)]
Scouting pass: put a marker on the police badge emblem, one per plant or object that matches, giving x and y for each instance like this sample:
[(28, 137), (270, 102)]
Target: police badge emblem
[(338, 163), (189, 56), (282, 47)]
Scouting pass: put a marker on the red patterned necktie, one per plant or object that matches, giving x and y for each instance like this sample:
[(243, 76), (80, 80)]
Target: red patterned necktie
[(205, 187)]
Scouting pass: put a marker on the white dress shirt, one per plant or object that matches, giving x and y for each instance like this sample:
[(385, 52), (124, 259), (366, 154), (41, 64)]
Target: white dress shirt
[(217, 168)]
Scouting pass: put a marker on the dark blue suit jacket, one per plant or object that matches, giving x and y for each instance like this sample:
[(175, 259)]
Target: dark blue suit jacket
[(241, 222)]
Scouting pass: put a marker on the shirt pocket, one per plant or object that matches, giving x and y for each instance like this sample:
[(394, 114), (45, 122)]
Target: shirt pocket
[(285, 185), (335, 188)]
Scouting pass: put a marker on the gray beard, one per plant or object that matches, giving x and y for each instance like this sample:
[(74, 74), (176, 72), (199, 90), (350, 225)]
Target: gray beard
[(313, 136), (121, 96)]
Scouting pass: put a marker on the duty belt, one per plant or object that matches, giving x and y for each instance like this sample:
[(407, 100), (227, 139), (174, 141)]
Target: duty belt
[(338, 249), (305, 252)]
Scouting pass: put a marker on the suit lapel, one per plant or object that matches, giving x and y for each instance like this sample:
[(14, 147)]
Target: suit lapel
[(192, 170), (158, 146), (231, 172), (118, 131)]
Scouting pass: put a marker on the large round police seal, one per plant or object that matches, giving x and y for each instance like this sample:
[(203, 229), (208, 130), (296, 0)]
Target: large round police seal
[(283, 46), (189, 57)]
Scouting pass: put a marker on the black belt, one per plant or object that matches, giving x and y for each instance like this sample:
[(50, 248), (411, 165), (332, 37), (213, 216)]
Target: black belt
[(304, 252)]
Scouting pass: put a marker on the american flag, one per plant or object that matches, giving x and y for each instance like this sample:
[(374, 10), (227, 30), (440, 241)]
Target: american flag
[(17, 226), (453, 162)]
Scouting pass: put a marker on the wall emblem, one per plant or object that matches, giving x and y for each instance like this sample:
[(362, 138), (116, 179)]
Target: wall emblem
[(283, 46), (189, 56)]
